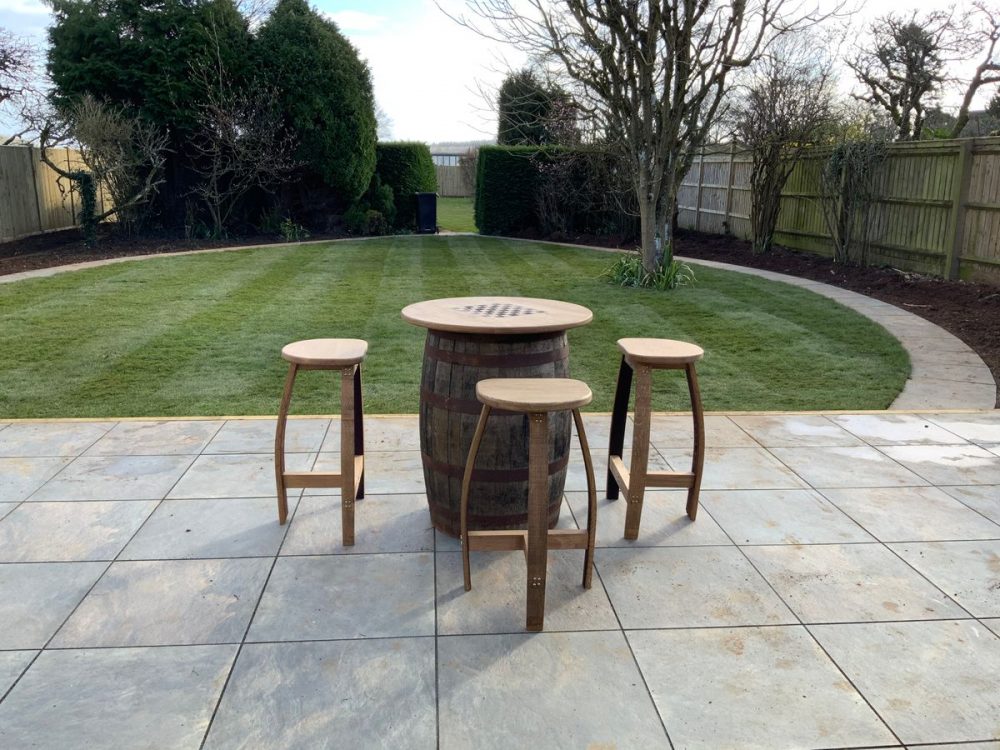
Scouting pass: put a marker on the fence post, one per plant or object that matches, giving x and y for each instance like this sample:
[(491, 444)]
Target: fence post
[(729, 187), (959, 197), (34, 186), (72, 203), (701, 180)]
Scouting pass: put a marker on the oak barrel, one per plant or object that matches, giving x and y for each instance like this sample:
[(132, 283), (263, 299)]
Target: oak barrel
[(453, 364)]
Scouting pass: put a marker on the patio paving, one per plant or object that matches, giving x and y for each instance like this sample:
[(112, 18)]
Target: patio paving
[(841, 588)]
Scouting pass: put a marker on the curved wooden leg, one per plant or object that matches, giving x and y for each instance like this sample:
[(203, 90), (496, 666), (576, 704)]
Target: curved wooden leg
[(359, 430), (347, 455), (640, 451), (537, 551), (698, 458), (470, 463), (619, 419), (279, 444), (588, 558)]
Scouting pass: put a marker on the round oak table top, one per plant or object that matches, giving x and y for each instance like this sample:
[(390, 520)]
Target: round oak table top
[(497, 315)]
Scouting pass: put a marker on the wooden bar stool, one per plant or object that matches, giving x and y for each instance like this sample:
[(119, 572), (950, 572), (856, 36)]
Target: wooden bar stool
[(643, 356), (537, 397), (345, 355)]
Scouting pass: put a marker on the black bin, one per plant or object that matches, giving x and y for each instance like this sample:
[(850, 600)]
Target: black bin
[(427, 213)]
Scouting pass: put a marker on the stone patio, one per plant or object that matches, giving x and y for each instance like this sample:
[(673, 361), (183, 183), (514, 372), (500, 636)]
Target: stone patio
[(841, 588)]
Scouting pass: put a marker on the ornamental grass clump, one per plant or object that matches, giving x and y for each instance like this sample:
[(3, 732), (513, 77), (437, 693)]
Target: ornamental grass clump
[(628, 271)]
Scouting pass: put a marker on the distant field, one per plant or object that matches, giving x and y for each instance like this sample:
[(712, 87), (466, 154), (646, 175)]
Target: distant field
[(456, 214)]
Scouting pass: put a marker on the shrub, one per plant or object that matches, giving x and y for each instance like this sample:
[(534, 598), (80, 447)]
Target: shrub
[(363, 221), (406, 168), (325, 92), (293, 232), (627, 271), (507, 180)]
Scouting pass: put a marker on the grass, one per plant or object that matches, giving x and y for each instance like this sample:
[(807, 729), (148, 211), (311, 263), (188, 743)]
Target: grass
[(456, 214), (200, 334)]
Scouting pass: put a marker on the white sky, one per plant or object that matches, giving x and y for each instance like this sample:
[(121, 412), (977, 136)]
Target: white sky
[(428, 71)]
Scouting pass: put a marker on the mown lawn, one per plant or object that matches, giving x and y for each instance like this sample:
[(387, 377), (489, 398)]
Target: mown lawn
[(201, 334), (456, 214)]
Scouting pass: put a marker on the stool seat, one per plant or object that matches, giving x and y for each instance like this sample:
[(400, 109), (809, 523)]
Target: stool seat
[(664, 352), (326, 352), (534, 394)]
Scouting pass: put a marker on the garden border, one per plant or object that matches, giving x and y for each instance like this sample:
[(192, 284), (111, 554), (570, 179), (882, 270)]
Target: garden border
[(946, 373)]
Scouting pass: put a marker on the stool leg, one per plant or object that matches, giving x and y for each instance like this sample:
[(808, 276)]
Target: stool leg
[(588, 558), (279, 444), (347, 454), (640, 451), (698, 459), (359, 430), (538, 526), (619, 417), (470, 463)]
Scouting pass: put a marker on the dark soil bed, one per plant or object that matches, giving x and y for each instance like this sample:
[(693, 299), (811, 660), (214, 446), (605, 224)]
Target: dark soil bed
[(969, 311)]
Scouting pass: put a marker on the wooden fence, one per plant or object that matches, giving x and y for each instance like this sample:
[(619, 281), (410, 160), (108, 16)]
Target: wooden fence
[(937, 209), (30, 199), (452, 182)]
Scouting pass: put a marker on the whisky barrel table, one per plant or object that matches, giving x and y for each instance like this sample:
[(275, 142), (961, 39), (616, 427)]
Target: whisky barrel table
[(470, 339)]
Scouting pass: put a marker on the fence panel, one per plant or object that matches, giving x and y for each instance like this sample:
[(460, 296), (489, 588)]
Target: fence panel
[(451, 182), (937, 208)]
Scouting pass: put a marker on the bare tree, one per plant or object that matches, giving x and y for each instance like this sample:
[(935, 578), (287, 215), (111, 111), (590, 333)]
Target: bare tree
[(780, 109), (17, 76), (983, 23), (122, 152), (652, 74), (241, 143)]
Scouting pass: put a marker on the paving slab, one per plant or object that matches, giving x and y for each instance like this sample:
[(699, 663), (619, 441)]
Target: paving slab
[(983, 499), (847, 467), (678, 432), (670, 587), (35, 599), (993, 624), (496, 603), (12, 665), (849, 583), (229, 527), (780, 517), (381, 433), (978, 428), (6, 508), (346, 694), (930, 681), (737, 469), (236, 475), (904, 514), (137, 698), (64, 532), (895, 429), (20, 477), (664, 521), (172, 602), (752, 688), (51, 438), (257, 436), (156, 438), (948, 464), (382, 523), (386, 473), (795, 431), (347, 596), (115, 478), (969, 572), (549, 690)]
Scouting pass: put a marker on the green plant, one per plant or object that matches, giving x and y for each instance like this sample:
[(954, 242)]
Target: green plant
[(363, 221), (293, 232), (406, 168), (325, 92), (627, 271), (270, 221), (83, 181)]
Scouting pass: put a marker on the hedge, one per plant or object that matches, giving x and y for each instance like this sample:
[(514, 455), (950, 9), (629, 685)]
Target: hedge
[(513, 183), (506, 182), (407, 168)]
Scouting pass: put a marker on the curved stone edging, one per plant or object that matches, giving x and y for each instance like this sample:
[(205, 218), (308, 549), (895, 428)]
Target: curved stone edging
[(946, 373)]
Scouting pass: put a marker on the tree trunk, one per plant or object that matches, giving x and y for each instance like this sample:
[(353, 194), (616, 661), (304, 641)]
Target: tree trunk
[(647, 233)]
